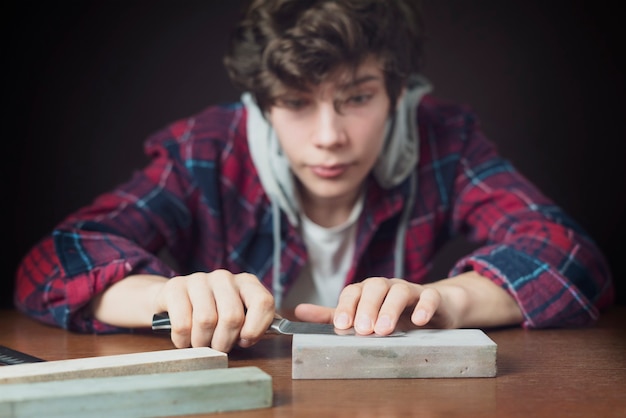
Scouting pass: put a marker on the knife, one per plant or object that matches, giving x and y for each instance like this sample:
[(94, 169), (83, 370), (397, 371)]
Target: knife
[(9, 357), (280, 325)]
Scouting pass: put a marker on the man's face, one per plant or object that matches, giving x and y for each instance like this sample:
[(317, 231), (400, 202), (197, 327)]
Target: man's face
[(332, 148)]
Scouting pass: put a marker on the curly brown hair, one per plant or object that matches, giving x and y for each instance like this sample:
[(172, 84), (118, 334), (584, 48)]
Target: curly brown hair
[(297, 43)]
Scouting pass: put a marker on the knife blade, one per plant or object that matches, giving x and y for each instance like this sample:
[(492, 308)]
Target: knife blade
[(280, 325), (9, 357)]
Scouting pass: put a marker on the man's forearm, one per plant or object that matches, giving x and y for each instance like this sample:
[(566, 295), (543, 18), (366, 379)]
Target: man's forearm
[(128, 303), (477, 302)]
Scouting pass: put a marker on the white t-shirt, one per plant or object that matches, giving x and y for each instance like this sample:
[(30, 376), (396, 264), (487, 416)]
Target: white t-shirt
[(330, 253)]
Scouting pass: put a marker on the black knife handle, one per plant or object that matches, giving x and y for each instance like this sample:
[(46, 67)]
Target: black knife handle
[(161, 322)]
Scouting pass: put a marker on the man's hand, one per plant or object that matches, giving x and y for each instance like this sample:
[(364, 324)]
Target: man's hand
[(217, 309), (378, 305)]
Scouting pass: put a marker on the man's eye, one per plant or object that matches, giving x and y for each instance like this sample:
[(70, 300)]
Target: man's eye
[(292, 103), (358, 99)]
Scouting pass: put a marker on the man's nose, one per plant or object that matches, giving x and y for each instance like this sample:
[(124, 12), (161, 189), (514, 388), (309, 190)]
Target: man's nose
[(329, 130)]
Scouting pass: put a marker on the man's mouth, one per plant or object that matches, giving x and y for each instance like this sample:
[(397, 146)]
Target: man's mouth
[(329, 171)]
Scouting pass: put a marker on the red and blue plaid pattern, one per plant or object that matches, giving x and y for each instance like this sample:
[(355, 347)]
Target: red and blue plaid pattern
[(200, 198)]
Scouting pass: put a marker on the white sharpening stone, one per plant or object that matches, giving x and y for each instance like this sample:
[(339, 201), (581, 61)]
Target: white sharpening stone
[(156, 395), (163, 361), (417, 354)]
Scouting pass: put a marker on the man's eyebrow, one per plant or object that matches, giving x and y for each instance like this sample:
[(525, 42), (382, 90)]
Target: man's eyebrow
[(358, 81)]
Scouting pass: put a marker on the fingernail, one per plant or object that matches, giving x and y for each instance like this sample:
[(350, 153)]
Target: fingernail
[(342, 320), (363, 323), (244, 343), (420, 316), (383, 322)]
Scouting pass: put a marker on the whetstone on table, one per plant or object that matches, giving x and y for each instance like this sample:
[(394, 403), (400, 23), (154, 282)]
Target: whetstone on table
[(155, 395), (420, 353), (163, 361)]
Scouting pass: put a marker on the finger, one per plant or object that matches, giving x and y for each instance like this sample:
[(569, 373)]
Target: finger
[(429, 301), (178, 306), (372, 296), (230, 311), (400, 295), (204, 314), (346, 306), (314, 313), (260, 308)]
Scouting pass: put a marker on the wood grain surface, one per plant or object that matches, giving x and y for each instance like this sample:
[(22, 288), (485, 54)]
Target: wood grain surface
[(541, 373)]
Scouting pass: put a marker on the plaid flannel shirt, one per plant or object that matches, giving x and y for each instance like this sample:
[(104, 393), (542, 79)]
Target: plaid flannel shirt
[(200, 198)]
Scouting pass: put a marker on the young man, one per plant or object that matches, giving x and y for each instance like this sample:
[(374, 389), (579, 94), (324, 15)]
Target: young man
[(328, 189)]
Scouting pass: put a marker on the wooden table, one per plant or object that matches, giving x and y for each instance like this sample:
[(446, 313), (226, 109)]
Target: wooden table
[(541, 373)]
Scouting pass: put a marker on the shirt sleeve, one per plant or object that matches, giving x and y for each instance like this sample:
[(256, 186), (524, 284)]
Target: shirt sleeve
[(532, 248), (117, 235)]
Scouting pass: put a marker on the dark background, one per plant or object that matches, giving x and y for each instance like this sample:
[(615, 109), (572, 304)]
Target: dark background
[(87, 82)]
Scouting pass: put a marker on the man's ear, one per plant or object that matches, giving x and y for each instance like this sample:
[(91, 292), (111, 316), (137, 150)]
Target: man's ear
[(394, 109), (400, 96)]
